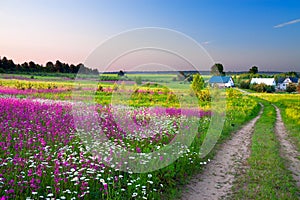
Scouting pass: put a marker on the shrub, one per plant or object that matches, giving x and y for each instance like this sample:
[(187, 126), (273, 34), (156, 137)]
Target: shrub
[(135, 87), (99, 88), (231, 93), (115, 87), (269, 89), (291, 87), (171, 97), (258, 87), (245, 84), (262, 88), (198, 83), (138, 80), (204, 95), (108, 78), (29, 85), (20, 86)]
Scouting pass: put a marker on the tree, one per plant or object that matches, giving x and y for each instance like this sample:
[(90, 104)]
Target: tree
[(253, 70), (4, 62), (50, 67), (7, 65), (32, 66), (292, 87), (292, 74), (57, 66), (198, 83), (217, 70), (121, 73), (25, 66), (279, 76)]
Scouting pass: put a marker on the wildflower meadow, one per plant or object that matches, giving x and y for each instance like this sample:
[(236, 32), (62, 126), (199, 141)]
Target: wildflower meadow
[(48, 152)]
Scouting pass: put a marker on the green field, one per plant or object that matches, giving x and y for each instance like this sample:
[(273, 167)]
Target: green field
[(26, 94)]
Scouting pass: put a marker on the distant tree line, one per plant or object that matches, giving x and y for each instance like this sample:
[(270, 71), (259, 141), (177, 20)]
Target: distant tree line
[(8, 66)]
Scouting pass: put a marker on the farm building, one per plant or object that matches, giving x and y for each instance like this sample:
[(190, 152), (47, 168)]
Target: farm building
[(267, 81), (221, 81), (283, 82)]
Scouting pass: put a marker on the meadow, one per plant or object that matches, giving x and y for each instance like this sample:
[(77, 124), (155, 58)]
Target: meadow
[(45, 155)]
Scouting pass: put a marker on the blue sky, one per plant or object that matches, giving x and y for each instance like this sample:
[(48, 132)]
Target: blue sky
[(238, 34)]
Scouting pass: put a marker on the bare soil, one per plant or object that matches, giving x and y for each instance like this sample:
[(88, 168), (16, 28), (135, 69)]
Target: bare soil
[(288, 149), (216, 180)]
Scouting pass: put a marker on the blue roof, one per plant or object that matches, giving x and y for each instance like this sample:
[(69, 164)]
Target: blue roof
[(281, 79), (293, 79), (219, 79)]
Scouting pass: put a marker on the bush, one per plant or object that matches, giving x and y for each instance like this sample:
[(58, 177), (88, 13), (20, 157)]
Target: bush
[(20, 86), (29, 85), (171, 97), (198, 83), (270, 89), (233, 94), (262, 88), (292, 87), (204, 95), (138, 80), (245, 84), (258, 87), (108, 78), (100, 88), (115, 86)]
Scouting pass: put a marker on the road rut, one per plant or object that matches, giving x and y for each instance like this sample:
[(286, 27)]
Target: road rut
[(288, 150)]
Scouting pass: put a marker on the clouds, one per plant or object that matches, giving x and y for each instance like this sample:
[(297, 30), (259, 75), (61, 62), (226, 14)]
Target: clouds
[(206, 42), (287, 23)]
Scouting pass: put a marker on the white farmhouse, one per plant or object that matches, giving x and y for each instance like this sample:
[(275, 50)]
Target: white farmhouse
[(267, 81), (283, 82)]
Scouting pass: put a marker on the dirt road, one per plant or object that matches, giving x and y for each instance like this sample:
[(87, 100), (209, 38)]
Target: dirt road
[(215, 182)]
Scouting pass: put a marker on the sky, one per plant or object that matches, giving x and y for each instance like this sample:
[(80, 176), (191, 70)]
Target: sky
[(236, 33)]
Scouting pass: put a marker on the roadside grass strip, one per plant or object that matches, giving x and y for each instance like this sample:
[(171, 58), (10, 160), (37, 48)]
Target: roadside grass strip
[(267, 177)]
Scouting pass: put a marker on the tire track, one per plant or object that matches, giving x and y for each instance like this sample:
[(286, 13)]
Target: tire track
[(288, 150), (216, 180)]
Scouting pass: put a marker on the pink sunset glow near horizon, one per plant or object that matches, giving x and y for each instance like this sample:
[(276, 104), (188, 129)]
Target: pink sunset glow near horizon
[(69, 31)]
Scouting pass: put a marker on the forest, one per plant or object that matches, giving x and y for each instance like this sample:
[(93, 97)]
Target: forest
[(8, 66)]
